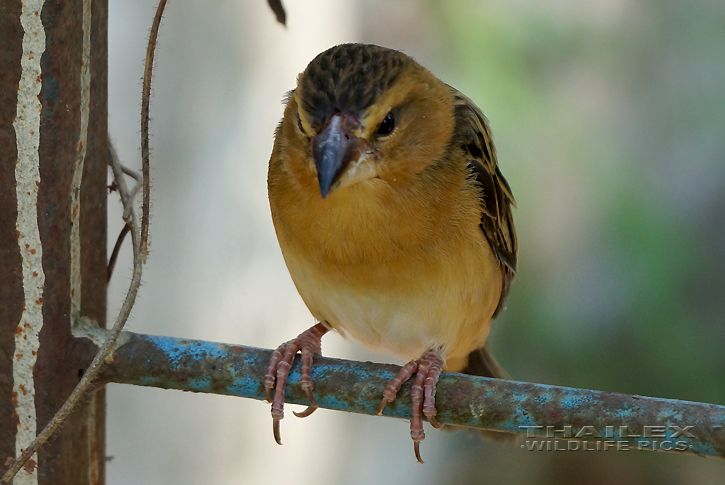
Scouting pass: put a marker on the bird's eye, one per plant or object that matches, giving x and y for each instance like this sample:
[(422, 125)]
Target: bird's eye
[(299, 124), (387, 126)]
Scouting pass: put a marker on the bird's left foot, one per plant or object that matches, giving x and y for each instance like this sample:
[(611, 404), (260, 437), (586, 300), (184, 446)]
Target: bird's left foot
[(427, 370), (308, 342)]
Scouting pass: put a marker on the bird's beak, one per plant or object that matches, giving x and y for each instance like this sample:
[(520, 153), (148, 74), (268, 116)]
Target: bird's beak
[(341, 159)]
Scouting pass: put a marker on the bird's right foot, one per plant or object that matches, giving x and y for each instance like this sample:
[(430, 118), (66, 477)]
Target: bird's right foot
[(309, 343)]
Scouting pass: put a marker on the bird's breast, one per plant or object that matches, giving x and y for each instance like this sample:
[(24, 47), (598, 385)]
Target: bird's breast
[(399, 274)]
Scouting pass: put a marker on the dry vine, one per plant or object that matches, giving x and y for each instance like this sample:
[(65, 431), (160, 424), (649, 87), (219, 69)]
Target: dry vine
[(139, 241)]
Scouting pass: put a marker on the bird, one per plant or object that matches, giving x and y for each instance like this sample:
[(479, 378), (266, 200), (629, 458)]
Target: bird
[(394, 221)]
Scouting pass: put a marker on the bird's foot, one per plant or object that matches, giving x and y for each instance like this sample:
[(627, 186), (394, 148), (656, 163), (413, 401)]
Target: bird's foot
[(427, 370), (308, 342)]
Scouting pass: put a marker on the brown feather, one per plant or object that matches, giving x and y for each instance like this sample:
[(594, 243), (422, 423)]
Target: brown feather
[(473, 134), (482, 363)]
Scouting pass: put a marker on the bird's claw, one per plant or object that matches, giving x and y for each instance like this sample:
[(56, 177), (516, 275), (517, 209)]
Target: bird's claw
[(416, 450), (306, 379), (308, 343), (275, 430), (306, 412)]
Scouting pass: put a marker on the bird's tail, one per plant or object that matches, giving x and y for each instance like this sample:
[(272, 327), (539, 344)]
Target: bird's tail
[(482, 363)]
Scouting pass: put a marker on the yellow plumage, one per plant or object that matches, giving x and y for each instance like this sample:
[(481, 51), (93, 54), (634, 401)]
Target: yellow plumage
[(394, 267)]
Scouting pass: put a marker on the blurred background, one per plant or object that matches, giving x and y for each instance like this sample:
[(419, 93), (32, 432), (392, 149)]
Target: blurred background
[(609, 118)]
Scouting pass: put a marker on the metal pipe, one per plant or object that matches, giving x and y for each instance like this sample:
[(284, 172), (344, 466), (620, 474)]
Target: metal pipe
[(550, 417)]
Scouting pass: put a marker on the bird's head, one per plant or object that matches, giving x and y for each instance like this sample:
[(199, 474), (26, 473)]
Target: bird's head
[(364, 113)]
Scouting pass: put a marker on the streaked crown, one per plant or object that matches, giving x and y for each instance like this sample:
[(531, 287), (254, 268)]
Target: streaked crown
[(348, 78)]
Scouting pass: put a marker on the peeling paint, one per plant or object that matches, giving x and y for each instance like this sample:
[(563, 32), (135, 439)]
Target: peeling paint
[(27, 179), (76, 279), (75, 234), (89, 329)]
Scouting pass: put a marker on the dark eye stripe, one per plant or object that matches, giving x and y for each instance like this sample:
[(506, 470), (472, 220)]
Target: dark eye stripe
[(299, 124)]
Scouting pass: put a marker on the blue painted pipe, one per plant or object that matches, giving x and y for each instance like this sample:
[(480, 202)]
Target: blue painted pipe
[(549, 417)]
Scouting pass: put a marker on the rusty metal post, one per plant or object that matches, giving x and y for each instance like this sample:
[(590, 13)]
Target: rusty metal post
[(53, 113)]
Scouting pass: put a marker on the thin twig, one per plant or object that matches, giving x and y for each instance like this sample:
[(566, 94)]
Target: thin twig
[(118, 170), (116, 250), (127, 198), (131, 172), (145, 102), (131, 197), (139, 257), (128, 201)]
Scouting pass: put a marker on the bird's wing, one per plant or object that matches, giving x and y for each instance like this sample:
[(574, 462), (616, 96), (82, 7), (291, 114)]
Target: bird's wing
[(473, 135)]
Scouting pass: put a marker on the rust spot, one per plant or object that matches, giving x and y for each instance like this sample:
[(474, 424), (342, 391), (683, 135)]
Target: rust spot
[(37, 79), (32, 251), (14, 399), (17, 234), (35, 274), (39, 301), (37, 183), (34, 352), (75, 211), (20, 356), (23, 388), (18, 330), (29, 466), (27, 325), (554, 413)]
